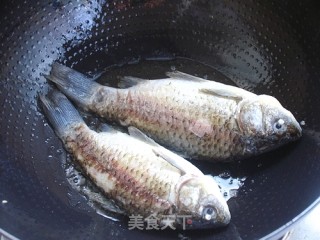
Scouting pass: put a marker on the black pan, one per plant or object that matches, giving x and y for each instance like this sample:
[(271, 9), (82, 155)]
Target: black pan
[(269, 47)]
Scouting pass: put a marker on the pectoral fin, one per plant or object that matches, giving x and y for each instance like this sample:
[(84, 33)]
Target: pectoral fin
[(175, 160), (136, 133), (185, 76), (225, 93), (212, 87)]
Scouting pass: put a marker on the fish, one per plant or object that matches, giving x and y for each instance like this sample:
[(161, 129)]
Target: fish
[(139, 175), (197, 118)]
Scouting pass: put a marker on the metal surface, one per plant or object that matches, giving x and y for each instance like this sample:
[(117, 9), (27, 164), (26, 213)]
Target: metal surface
[(269, 47)]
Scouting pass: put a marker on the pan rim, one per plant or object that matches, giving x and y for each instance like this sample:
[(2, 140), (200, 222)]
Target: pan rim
[(278, 233), (7, 235)]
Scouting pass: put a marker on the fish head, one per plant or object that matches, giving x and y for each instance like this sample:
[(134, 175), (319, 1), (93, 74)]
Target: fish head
[(200, 200), (267, 123)]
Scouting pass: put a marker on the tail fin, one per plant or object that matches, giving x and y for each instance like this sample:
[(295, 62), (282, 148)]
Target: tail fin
[(60, 112), (75, 85)]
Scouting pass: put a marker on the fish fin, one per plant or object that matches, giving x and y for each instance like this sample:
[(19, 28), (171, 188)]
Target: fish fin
[(97, 75), (60, 112), (212, 87), (104, 206), (128, 81), (175, 160), (222, 92), (105, 128), (136, 133), (75, 85), (185, 76), (111, 213)]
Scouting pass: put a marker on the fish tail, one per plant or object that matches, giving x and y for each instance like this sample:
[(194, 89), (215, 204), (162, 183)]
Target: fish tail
[(60, 112), (73, 84)]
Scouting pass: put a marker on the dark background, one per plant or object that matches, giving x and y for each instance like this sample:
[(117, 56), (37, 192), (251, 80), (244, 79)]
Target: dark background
[(269, 47)]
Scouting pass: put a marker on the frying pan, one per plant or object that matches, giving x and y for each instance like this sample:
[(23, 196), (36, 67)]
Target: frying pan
[(269, 47)]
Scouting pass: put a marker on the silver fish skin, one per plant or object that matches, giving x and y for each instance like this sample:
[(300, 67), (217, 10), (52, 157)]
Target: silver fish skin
[(142, 177), (199, 118)]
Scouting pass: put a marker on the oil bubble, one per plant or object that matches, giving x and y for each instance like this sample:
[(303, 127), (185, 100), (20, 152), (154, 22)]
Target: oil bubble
[(229, 186)]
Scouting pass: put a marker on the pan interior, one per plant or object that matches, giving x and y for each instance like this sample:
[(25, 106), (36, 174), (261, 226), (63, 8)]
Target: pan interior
[(267, 47)]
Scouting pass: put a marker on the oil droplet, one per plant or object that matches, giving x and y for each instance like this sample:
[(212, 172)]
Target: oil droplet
[(229, 186), (302, 123), (59, 151), (224, 175)]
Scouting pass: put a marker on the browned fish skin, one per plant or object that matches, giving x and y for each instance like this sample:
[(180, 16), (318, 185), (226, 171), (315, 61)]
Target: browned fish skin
[(135, 189), (158, 111), (199, 118), (138, 174)]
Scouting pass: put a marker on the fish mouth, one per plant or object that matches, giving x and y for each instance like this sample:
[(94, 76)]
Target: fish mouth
[(294, 131), (203, 224), (190, 223)]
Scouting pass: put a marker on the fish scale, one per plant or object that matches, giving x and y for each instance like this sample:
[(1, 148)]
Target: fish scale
[(194, 144), (86, 145), (141, 176), (201, 119), (173, 127)]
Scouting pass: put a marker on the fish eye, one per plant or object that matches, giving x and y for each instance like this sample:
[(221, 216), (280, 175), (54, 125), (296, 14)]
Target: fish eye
[(279, 125), (208, 213)]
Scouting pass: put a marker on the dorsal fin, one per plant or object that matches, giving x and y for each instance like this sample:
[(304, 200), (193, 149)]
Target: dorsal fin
[(175, 160)]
